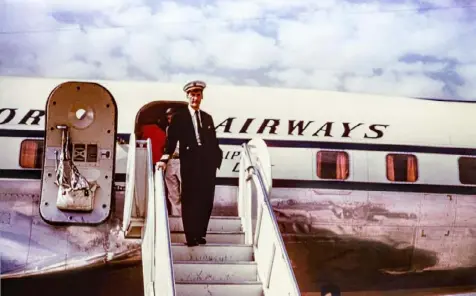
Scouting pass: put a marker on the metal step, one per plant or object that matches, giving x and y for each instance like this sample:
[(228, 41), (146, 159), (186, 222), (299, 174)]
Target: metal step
[(217, 288), (212, 252), (134, 229), (221, 237), (217, 223), (218, 272)]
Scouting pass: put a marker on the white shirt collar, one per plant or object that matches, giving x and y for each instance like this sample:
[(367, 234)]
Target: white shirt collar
[(192, 112)]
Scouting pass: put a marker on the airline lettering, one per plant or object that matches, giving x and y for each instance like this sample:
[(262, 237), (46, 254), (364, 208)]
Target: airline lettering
[(267, 125), (231, 155), (32, 117), (298, 127)]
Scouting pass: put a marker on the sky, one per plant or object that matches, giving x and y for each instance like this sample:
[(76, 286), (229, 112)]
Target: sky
[(413, 48)]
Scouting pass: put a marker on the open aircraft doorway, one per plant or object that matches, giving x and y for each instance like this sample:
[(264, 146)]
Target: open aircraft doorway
[(154, 113), (152, 117), (150, 123)]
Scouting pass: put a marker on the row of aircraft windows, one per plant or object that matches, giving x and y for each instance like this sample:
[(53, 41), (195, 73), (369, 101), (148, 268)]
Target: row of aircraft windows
[(330, 164), (400, 167)]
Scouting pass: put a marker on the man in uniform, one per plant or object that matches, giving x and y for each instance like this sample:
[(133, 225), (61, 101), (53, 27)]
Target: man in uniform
[(200, 157), (172, 174)]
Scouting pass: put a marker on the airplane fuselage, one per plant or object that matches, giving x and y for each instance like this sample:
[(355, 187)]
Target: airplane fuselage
[(371, 192)]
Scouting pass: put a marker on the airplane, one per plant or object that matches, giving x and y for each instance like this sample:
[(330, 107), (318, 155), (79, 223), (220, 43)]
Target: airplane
[(372, 193)]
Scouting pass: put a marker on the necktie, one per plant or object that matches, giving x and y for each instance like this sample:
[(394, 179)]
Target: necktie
[(199, 128)]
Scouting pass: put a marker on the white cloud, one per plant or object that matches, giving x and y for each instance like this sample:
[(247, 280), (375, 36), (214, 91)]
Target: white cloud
[(76, 5), (145, 53), (186, 54), (468, 72), (138, 15), (180, 78), (237, 9), (414, 85), (79, 68), (362, 43), (419, 67), (242, 50), (326, 44), (305, 79)]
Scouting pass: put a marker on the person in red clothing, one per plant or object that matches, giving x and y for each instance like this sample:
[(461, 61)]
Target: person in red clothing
[(158, 138)]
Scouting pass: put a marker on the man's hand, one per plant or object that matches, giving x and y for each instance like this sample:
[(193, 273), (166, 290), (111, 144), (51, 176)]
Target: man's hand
[(160, 164)]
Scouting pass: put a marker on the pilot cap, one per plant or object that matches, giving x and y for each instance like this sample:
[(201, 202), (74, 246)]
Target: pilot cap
[(192, 85), (170, 111)]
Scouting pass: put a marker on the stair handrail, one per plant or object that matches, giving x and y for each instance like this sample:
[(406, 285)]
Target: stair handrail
[(130, 182), (252, 170), (161, 279), (163, 240)]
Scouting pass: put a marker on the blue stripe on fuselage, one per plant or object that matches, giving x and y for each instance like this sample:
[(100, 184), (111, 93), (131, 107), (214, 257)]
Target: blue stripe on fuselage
[(11, 133)]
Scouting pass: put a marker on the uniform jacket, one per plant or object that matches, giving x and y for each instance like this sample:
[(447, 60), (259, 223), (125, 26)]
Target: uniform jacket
[(181, 129)]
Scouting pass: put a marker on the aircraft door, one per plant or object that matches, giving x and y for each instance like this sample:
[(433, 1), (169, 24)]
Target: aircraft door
[(79, 159)]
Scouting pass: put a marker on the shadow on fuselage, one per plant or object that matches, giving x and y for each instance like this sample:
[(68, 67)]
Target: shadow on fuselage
[(104, 280), (357, 265)]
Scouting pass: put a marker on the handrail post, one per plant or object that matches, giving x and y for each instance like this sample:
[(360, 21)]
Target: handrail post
[(271, 262), (258, 224), (130, 184), (159, 276), (251, 171)]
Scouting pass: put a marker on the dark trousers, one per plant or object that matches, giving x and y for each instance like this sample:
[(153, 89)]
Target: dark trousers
[(198, 194)]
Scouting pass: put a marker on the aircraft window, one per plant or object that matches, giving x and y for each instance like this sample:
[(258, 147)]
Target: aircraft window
[(31, 154), (332, 165), (402, 167), (467, 170)]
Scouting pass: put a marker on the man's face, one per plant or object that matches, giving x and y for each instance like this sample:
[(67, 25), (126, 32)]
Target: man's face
[(195, 98), (169, 118)]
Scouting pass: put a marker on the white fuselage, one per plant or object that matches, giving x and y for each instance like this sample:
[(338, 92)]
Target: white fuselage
[(326, 223)]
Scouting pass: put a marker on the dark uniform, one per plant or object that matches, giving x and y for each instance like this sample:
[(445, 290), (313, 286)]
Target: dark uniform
[(200, 156)]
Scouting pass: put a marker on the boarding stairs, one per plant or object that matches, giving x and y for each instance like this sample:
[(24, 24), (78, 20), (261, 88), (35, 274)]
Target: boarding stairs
[(244, 255)]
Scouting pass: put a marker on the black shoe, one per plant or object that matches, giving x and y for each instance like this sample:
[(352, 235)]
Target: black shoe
[(191, 244), (202, 241)]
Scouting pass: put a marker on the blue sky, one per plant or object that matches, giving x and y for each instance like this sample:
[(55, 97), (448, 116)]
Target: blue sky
[(391, 47)]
